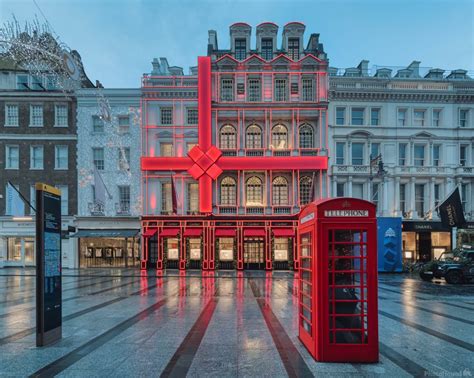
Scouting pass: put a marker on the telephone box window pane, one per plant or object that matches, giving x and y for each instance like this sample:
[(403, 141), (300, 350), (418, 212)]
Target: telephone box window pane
[(281, 249)]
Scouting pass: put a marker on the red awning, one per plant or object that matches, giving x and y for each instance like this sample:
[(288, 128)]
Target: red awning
[(169, 232), (254, 232), (149, 233), (225, 232), (289, 232), (193, 232)]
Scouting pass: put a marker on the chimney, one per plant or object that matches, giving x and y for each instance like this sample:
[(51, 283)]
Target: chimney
[(313, 42), (364, 68), (415, 68), (164, 66), (212, 39), (156, 67)]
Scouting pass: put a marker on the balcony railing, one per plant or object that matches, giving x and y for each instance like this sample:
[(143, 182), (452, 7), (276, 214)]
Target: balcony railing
[(122, 208), (254, 152), (254, 210), (96, 208), (229, 152), (227, 209), (282, 210), (281, 152)]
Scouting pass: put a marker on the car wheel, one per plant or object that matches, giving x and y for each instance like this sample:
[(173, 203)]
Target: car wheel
[(426, 277), (454, 277)]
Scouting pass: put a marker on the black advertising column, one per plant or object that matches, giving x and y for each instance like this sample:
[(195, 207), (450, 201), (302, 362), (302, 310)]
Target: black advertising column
[(48, 265)]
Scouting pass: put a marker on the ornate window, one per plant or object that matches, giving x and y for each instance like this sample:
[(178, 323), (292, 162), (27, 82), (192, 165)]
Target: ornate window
[(228, 191), (306, 136), (254, 192), (280, 191), (254, 137), (228, 138), (306, 188), (280, 137)]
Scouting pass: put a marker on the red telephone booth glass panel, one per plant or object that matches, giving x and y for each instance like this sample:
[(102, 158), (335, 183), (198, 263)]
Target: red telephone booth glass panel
[(347, 286), (306, 283)]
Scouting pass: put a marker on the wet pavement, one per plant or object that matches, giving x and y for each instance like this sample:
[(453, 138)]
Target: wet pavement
[(118, 322)]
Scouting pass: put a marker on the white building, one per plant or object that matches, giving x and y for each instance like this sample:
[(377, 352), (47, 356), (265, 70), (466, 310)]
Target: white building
[(420, 122), (108, 234)]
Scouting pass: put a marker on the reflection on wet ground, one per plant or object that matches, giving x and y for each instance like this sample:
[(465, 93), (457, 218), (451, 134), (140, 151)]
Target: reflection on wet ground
[(121, 322)]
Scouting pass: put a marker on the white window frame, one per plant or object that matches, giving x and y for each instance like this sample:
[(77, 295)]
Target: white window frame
[(439, 157), (32, 165), (405, 119), (415, 119), (379, 121), (363, 115), (123, 128), (440, 112), (8, 147), (363, 153), (64, 198), (32, 116), (466, 121), (344, 119), (405, 158), (27, 82), (94, 159), (57, 148), (17, 116), (466, 156), (57, 116), (100, 120), (424, 154)]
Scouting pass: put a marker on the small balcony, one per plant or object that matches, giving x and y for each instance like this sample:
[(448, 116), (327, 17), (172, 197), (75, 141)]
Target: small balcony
[(254, 210), (281, 152), (258, 152), (282, 210), (122, 208), (227, 209), (229, 152), (96, 208)]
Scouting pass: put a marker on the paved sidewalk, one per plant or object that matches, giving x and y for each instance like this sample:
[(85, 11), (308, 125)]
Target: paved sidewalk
[(119, 322)]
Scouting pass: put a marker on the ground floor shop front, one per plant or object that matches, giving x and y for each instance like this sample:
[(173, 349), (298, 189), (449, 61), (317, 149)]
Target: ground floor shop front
[(17, 242), (424, 240), (107, 242), (216, 243)]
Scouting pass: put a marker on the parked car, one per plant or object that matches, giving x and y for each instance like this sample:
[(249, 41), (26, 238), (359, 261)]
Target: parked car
[(455, 266)]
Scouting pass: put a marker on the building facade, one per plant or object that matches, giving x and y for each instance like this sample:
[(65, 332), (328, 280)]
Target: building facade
[(419, 123), (108, 150), (231, 152), (38, 138)]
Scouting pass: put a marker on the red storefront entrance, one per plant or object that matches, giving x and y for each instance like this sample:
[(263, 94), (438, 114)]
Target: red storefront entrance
[(211, 243)]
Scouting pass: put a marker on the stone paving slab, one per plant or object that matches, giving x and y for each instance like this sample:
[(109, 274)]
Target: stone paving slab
[(119, 323)]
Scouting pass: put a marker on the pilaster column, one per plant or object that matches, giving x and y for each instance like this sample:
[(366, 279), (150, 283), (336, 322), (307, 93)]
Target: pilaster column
[(411, 190), (432, 197), (385, 184), (334, 187), (396, 205), (349, 187)]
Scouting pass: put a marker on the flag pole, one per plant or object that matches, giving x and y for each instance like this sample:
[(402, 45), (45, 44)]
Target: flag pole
[(21, 196)]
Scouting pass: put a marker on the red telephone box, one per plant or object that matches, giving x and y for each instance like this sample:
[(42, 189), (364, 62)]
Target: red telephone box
[(338, 280)]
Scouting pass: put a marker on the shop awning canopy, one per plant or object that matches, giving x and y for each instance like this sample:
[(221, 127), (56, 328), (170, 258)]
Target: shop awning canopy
[(169, 232), (288, 232), (109, 233), (254, 232), (225, 232), (193, 232), (150, 232)]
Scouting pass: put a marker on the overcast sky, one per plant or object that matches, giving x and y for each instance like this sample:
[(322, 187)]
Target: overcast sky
[(117, 39)]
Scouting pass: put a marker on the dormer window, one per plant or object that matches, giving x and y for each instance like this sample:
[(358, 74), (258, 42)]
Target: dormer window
[(240, 48), (294, 48), (267, 48)]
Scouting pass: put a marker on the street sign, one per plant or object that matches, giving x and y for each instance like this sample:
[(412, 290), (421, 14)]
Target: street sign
[(48, 265)]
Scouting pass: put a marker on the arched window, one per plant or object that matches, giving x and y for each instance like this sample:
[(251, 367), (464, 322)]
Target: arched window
[(306, 136), (253, 137), (254, 192), (306, 188), (228, 191), (227, 137), (280, 191), (280, 137)]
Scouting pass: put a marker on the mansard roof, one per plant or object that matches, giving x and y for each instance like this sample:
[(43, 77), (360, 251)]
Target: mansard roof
[(227, 59), (254, 59)]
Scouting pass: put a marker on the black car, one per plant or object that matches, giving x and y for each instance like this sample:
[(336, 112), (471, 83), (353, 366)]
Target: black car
[(455, 267)]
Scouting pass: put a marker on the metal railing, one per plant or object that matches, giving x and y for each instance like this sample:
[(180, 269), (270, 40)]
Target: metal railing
[(96, 208)]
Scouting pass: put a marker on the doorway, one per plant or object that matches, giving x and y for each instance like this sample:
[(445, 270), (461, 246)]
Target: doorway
[(254, 255), (424, 246)]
